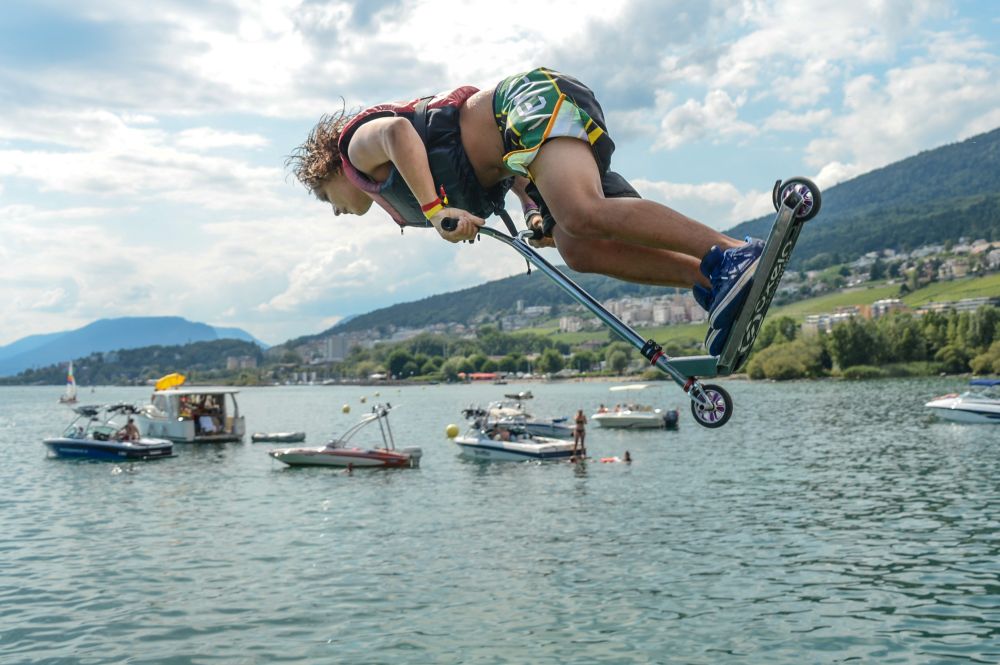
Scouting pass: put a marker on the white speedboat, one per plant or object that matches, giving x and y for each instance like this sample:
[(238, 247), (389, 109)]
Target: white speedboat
[(278, 437), (513, 414), (340, 453), (631, 415), (192, 415), (97, 433), (498, 443), (979, 405)]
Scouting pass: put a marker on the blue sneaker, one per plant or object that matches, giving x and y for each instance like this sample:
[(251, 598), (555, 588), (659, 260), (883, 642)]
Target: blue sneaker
[(709, 264), (715, 340), (731, 279), (703, 296)]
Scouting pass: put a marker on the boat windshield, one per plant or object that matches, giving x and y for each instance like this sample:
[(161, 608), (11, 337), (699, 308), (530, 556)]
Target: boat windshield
[(991, 392)]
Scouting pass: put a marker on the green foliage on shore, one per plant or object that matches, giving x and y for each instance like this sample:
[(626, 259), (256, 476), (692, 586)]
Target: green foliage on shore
[(900, 344)]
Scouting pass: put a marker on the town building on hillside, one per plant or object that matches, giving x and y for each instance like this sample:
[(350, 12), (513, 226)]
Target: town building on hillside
[(535, 311), (993, 259), (240, 362), (578, 323), (816, 323), (964, 305), (885, 306), (953, 269), (335, 347), (657, 310), (926, 250), (981, 245), (404, 334)]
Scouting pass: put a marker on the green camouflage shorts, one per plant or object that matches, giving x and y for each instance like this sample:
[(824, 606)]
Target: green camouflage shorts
[(536, 106)]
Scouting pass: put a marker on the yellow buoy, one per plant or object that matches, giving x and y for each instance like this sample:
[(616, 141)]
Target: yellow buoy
[(451, 431), (346, 408), (377, 393), (364, 399)]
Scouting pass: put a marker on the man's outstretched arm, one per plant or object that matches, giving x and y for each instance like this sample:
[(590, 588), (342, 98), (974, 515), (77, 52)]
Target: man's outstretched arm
[(384, 141)]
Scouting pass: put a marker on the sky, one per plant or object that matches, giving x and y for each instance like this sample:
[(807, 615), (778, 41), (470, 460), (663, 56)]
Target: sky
[(142, 145)]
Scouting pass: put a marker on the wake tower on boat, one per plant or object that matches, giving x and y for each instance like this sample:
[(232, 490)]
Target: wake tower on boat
[(340, 452)]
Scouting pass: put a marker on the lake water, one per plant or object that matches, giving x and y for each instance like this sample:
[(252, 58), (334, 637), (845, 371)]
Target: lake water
[(827, 522)]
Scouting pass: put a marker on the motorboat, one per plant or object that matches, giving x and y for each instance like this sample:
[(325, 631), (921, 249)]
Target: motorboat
[(193, 414), (278, 437), (512, 413), (340, 453), (632, 415), (69, 397), (979, 405), (489, 442), (97, 433), (635, 416)]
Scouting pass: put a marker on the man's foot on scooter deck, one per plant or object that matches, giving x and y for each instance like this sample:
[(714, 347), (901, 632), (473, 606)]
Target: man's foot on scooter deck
[(703, 297), (731, 273), (715, 341)]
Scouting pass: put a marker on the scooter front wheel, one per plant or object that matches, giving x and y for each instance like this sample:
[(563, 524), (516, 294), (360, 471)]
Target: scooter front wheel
[(804, 187), (717, 416)]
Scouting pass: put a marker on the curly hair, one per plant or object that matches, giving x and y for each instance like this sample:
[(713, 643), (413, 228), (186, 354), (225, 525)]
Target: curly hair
[(318, 157)]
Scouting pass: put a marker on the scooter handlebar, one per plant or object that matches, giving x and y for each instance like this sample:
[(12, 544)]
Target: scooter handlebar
[(451, 223)]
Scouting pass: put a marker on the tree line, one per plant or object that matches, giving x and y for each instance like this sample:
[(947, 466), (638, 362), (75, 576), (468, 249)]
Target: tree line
[(899, 344)]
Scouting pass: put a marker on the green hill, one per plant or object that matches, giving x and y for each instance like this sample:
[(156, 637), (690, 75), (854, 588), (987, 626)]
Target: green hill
[(933, 197)]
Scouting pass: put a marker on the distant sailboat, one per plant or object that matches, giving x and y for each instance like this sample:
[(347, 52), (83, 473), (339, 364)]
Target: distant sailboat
[(69, 397)]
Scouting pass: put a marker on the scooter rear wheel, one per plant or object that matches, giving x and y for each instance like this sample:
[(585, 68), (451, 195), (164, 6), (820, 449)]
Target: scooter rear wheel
[(717, 417)]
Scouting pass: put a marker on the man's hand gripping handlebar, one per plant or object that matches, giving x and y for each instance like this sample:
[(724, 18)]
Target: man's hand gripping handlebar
[(461, 225), (450, 224)]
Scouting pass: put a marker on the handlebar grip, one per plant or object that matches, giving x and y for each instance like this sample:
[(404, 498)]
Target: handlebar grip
[(449, 224)]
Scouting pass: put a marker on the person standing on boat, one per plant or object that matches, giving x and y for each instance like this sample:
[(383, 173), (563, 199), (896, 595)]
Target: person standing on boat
[(579, 435), (455, 155), (129, 432)]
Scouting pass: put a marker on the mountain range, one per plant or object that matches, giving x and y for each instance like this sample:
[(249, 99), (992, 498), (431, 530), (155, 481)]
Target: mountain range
[(110, 335)]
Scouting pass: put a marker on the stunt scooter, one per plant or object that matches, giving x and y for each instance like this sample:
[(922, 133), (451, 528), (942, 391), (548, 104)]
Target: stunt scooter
[(796, 200)]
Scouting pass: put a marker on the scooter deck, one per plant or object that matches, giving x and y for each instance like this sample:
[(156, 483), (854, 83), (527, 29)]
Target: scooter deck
[(773, 260)]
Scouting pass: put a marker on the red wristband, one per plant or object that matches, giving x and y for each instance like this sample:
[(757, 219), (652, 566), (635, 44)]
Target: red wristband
[(432, 208)]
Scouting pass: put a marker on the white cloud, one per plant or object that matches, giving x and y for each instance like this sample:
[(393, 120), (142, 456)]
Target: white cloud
[(787, 121), (920, 105), (717, 119), (206, 138), (720, 205)]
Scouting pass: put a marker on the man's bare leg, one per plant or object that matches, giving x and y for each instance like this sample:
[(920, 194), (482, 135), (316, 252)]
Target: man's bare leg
[(567, 176), (632, 263)]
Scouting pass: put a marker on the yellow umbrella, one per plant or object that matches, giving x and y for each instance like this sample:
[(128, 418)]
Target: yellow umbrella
[(170, 381)]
